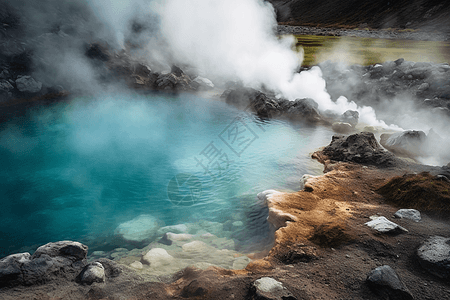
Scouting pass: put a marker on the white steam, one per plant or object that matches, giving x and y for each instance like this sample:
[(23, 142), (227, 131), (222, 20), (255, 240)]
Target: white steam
[(235, 39)]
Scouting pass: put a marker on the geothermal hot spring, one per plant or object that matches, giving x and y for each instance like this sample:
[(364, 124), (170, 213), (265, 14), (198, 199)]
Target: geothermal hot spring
[(79, 169)]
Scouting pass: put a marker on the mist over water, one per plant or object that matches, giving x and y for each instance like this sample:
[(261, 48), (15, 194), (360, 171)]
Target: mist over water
[(77, 170)]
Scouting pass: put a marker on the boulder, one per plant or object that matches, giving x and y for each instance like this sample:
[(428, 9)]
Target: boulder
[(360, 148), (6, 90), (157, 257), (53, 261), (383, 225), (27, 84), (385, 282), (303, 110), (204, 83), (411, 214), (342, 127), (195, 246), (137, 265), (351, 117), (72, 250), (267, 288), (93, 272), (409, 143), (434, 256), (142, 228)]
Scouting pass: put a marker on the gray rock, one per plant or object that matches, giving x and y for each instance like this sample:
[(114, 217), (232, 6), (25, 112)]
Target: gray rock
[(411, 214), (434, 256), (360, 148), (27, 84), (267, 288), (385, 282), (410, 142), (342, 127), (72, 250), (351, 117), (93, 272), (5, 86), (11, 268), (383, 225), (4, 74)]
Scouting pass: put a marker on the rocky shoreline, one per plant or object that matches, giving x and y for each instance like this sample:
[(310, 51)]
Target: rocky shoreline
[(397, 34)]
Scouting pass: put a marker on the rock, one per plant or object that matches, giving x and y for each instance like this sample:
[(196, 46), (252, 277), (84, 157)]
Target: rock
[(434, 256), (385, 282), (5, 90), (72, 250), (98, 52), (241, 262), (195, 246), (360, 148), (157, 257), (204, 83), (112, 269), (10, 268), (5, 74), (137, 265), (169, 238), (410, 142), (142, 228), (27, 84), (383, 225), (175, 83), (193, 289), (176, 71), (53, 261), (179, 228), (341, 127), (93, 272), (303, 110), (399, 61), (411, 214), (304, 180), (267, 288), (351, 117)]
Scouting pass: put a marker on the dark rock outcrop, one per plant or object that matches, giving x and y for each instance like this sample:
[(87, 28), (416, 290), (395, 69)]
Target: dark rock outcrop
[(385, 282), (53, 261), (360, 148)]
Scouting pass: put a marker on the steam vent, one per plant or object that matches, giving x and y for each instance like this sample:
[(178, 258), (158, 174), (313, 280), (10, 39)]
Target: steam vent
[(217, 150)]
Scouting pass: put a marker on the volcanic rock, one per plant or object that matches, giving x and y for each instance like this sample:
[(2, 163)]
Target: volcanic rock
[(411, 214), (53, 261), (385, 282), (27, 84), (434, 256), (360, 148), (93, 272), (383, 225), (351, 117), (5, 90), (342, 127), (410, 142), (267, 288)]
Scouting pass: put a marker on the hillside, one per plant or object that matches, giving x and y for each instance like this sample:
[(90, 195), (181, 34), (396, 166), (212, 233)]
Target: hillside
[(380, 14)]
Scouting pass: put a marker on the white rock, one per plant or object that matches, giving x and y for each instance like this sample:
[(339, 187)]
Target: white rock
[(94, 272), (179, 236), (411, 214), (194, 246), (268, 285), (204, 82), (138, 229), (27, 84), (238, 223), (266, 195), (137, 265), (157, 257), (179, 228), (381, 224)]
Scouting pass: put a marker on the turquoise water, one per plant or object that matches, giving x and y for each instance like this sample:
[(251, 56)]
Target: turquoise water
[(76, 170)]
